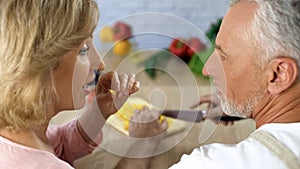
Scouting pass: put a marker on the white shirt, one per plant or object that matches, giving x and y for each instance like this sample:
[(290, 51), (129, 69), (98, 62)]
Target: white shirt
[(248, 154)]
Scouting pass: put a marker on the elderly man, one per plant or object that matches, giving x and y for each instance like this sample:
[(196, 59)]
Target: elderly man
[(258, 49)]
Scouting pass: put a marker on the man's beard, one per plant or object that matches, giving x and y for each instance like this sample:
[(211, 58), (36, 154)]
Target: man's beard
[(245, 108)]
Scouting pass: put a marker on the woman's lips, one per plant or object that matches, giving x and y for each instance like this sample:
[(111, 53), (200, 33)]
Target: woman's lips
[(91, 79), (87, 88)]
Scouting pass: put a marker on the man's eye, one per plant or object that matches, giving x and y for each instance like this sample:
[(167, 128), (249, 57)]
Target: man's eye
[(84, 50), (223, 57)]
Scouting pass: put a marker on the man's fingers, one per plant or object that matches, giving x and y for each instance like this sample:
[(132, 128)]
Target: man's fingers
[(203, 99), (194, 105)]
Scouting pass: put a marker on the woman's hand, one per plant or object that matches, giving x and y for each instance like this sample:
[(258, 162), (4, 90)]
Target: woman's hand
[(123, 86)]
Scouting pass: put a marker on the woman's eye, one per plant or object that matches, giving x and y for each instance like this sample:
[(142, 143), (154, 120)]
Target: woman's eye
[(84, 50)]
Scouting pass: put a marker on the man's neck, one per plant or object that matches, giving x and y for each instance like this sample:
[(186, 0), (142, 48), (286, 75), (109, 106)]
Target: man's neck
[(282, 108)]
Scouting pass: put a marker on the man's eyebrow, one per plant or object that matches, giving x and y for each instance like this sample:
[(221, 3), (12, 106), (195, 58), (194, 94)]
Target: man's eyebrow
[(219, 48)]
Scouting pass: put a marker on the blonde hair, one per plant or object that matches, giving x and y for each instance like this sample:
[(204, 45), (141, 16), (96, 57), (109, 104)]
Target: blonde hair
[(34, 34)]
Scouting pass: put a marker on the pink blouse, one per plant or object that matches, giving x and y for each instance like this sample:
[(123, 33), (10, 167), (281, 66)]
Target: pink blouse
[(66, 141)]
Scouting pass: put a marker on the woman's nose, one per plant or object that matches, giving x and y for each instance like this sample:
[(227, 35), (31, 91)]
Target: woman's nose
[(95, 58)]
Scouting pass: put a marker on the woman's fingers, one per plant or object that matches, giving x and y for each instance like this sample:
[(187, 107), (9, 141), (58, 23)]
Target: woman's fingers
[(124, 84), (130, 83), (135, 88), (115, 82)]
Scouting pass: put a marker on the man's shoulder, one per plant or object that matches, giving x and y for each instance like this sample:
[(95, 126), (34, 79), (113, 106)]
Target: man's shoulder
[(248, 153), (285, 133)]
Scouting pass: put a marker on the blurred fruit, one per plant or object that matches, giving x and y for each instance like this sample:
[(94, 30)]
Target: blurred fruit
[(122, 48), (106, 34), (121, 31), (178, 48), (195, 46)]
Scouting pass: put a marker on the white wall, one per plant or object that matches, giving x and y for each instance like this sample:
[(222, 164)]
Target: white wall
[(201, 13)]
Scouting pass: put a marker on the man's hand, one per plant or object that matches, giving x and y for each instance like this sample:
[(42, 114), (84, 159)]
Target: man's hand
[(213, 110)]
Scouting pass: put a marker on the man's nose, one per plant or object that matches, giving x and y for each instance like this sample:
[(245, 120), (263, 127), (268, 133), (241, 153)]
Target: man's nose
[(212, 65), (205, 70)]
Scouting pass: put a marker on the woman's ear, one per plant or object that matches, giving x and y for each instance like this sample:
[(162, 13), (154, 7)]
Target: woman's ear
[(282, 73)]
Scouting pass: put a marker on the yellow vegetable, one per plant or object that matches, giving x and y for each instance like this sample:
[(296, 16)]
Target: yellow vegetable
[(122, 48), (126, 124), (106, 34), (127, 110)]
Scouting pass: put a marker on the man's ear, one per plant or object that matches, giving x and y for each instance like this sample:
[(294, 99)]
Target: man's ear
[(282, 73)]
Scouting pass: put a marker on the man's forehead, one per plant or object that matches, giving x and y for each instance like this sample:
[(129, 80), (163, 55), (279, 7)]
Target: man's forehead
[(238, 18), (241, 14)]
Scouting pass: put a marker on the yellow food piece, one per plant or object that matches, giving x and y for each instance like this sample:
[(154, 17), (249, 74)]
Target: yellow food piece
[(127, 111), (106, 34), (126, 124), (122, 48), (113, 92)]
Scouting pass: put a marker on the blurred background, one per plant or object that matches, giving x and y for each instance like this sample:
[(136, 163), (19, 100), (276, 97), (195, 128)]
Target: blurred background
[(169, 19), (199, 12)]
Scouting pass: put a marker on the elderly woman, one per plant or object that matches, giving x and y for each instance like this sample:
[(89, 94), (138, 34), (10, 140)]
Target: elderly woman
[(46, 45)]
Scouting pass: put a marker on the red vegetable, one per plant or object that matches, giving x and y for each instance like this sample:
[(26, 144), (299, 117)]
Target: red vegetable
[(194, 46), (121, 31), (178, 48)]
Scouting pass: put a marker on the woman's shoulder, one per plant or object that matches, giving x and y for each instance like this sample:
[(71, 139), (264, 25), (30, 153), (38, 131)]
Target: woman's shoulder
[(14, 155)]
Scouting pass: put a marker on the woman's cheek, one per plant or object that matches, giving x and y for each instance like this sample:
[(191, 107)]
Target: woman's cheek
[(80, 75)]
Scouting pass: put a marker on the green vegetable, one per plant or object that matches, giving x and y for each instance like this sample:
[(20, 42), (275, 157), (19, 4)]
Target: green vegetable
[(198, 60), (156, 61), (196, 63), (213, 30)]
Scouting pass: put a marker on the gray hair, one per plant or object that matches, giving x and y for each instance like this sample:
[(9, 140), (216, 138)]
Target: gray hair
[(276, 28)]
